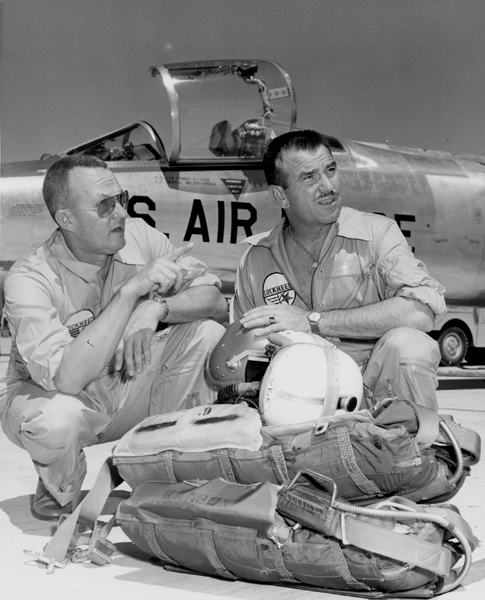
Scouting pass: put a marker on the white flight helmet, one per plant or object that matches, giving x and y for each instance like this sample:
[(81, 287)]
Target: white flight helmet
[(306, 381)]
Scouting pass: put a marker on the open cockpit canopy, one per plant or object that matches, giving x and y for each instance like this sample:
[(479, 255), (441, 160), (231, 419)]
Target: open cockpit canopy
[(226, 110), (138, 141)]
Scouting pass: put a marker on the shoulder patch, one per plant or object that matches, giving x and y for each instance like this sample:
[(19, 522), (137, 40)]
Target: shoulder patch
[(78, 321), (277, 290)]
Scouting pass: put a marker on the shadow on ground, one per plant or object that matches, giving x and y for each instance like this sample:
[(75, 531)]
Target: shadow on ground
[(18, 511)]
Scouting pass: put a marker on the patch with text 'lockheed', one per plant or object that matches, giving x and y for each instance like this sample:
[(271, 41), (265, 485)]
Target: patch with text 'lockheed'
[(277, 290), (78, 321)]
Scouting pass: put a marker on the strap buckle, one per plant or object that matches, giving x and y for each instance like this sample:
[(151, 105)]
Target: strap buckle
[(99, 553), (50, 563), (343, 529), (324, 482)]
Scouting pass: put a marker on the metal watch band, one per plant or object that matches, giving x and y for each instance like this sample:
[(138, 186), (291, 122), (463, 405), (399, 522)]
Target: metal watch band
[(164, 303)]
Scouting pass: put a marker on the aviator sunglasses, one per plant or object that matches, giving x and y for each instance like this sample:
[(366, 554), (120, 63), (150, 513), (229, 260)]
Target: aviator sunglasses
[(107, 205)]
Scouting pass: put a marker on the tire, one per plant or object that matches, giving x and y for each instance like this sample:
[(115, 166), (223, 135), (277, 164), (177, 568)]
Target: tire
[(453, 345)]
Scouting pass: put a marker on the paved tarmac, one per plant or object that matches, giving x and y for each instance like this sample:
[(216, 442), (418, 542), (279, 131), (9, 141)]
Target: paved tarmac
[(132, 576)]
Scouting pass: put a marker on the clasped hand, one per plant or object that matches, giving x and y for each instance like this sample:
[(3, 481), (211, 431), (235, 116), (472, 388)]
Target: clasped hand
[(162, 275)]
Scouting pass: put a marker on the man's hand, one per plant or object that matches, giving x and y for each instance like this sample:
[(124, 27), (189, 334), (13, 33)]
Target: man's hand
[(162, 275), (134, 348), (283, 317)]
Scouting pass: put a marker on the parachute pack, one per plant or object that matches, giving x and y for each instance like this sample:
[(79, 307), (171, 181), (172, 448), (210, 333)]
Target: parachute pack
[(397, 448), (330, 504)]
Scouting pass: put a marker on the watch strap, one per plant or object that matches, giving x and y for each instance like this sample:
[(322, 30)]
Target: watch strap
[(314, 328), (164, 303), (314, 323)]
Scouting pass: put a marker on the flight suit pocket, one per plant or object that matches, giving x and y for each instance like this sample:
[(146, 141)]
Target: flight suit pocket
[(166, 396), (163, 396), (348, 285)]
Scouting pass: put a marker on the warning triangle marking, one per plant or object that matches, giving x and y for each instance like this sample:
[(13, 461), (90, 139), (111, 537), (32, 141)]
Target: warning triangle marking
[(235, 186)]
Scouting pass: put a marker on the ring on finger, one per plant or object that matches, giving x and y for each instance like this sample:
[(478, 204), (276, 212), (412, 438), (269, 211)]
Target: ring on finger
[(272, 319)]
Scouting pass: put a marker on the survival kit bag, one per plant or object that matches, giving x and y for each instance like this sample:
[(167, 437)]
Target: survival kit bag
[(397, 448), (203, 478), (300, 535)]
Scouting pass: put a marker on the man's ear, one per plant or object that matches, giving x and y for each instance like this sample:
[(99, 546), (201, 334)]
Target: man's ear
[(64, 219), (278, 194)]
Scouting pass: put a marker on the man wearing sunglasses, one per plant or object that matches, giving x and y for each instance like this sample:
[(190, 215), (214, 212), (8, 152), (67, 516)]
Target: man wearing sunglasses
[(88, 362)]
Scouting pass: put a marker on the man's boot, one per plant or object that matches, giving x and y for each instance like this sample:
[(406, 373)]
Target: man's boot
[(45, 507)]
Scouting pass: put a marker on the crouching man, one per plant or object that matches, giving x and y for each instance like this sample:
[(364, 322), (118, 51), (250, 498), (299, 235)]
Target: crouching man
[(340, 273), (88, 359)]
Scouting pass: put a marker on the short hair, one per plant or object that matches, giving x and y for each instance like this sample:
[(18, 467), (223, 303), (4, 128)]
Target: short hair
[(305, 139), (56, 183)]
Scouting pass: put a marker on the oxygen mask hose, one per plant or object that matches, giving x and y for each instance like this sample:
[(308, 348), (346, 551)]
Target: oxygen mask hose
[(407, 513), (457, 475)]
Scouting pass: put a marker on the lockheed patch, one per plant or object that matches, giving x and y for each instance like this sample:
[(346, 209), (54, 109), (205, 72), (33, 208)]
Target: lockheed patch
[(78, 321), (277, 290)]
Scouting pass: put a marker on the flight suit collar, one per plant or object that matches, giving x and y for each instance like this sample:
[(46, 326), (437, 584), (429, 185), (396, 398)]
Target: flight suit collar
[(58, 249), (349, 225)]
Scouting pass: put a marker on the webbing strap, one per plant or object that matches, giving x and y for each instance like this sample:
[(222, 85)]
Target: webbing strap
[(365, 485), (208, 541), (395, 545), (468, 440), (457, 521), (225, 464), (279, 562), (279, 463), (343, 569), (151, 539), (428, 423), (168, 464), (88, 511), (333, 379)]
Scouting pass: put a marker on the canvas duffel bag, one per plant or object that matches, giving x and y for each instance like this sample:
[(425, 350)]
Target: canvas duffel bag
[(301, 535), (397, 448)]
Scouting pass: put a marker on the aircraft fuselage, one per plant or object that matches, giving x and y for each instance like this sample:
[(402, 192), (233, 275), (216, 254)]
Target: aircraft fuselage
[(437, 200)]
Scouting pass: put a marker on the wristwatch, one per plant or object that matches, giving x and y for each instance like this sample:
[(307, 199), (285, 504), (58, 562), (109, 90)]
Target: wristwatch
[(314, 319), (164, 303)]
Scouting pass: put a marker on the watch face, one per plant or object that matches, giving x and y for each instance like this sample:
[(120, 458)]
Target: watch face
[(314, 317)]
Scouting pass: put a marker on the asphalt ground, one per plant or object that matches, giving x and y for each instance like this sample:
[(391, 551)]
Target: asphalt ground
[(131, 575)]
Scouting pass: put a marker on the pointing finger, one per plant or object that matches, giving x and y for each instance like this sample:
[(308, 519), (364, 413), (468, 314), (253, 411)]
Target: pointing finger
[(179, 252)]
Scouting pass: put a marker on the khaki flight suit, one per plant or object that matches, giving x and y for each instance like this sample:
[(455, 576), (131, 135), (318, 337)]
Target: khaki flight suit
[(50, 298)]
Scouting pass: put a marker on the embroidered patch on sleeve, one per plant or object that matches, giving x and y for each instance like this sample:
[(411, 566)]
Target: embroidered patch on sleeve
[(78, 321), (277, 290)]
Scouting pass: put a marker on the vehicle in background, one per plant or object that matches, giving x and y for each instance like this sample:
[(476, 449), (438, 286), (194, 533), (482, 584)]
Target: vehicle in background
[(210, 188)]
